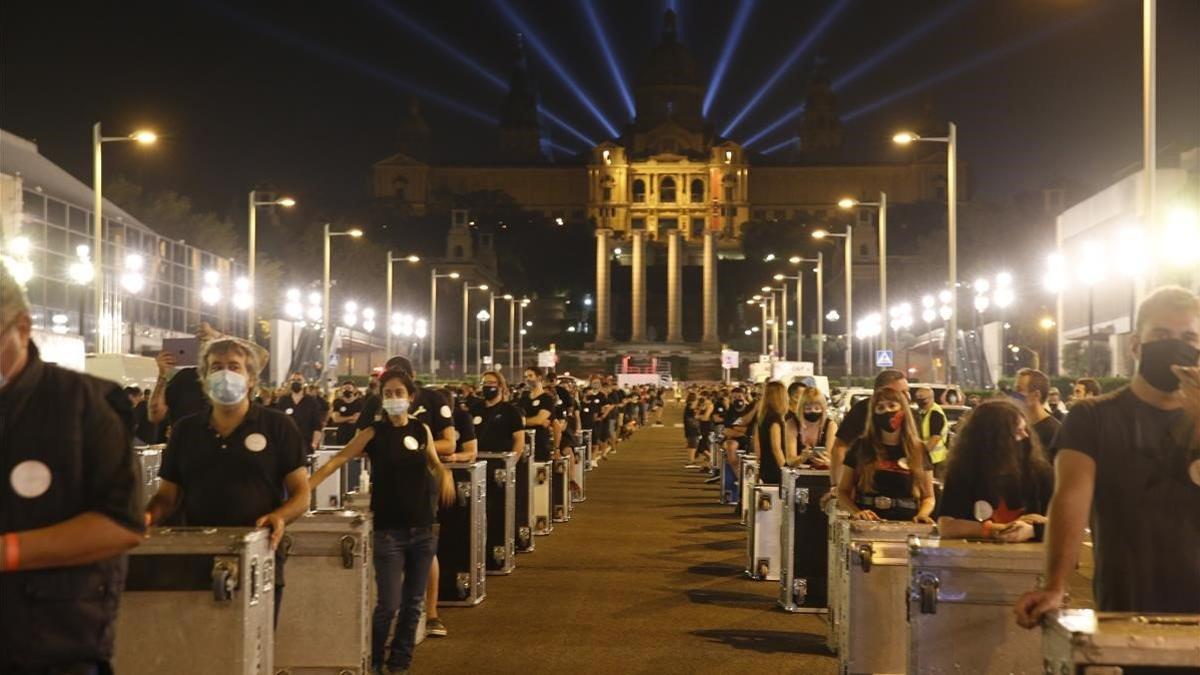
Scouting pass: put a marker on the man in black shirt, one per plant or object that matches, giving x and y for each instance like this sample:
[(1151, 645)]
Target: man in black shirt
[(238, 464), (499, 426), (1130, 461), (306, 411), (70, 506), (346, 410), (1031, 392), (537, 405)]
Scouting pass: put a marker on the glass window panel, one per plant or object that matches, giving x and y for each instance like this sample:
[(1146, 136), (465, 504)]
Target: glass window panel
[(162, 317), (181, 253), (177, 322), (56, 240), (56, 212), (78, 220), (133, 238), (56, 295), (33, 204)]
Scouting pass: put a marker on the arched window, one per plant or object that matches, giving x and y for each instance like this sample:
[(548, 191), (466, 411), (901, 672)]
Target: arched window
[(666, 191), (697, 191), (639, 190)]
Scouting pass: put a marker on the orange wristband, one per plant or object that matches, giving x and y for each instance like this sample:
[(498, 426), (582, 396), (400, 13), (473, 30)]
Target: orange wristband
[(12, 552), (987, 529)]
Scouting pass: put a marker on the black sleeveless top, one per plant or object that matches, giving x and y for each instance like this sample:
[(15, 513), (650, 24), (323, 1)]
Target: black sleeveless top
[(769, 471), (403, 491)]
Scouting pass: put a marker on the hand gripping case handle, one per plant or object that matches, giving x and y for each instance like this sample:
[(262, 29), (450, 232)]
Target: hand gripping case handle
[(866, 553)]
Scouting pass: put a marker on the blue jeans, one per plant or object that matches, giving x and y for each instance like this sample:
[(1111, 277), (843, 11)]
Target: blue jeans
[(402, 562)]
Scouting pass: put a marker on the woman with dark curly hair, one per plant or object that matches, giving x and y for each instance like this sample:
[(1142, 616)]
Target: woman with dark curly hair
[(998, 482)]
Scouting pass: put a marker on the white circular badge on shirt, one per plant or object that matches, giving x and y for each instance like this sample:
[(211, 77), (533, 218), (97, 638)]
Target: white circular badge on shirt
[(445, 411), (477, 420), (411, 443), (1194, 471), (536, 402), (903, 462), (256, 442), (30, 479), (983, 510), (288, 411), (342, 409)]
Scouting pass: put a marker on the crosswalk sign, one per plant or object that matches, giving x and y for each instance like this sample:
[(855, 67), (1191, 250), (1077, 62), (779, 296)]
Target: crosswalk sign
[(883, 358)]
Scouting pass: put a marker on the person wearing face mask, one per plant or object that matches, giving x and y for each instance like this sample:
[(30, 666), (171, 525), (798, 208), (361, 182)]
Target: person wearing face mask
[(1054, 405), (1129, 461), (306, 411), (998, 482), (347, 408), (1031, 391), (70, 506), (408, 480), (537, 406), (499, 425), (770, 422), (233, 464), (738, 430), (816, 427), (933, 426), (887, 472)]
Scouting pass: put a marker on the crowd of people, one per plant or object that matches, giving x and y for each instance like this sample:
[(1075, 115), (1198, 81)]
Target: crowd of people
[(1016, 468)]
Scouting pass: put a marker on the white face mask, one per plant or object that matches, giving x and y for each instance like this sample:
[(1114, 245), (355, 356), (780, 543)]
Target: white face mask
[(227, 387), (395, 406)]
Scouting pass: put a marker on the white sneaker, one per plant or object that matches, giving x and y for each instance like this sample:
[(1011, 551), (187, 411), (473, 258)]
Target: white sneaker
[(691, 466)]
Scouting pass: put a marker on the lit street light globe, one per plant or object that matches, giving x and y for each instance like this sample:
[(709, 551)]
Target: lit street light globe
[(904, 138), (483, 315), (820, 234), (1046, 323), (144, 136), (847, 203)]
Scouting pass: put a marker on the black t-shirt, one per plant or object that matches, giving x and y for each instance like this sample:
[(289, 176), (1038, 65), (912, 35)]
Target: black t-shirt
[(1030, 494), (769, 471), (855, 422), (232, 481), (541, 440), (937, 422), (495, 425), (718, 414), (892, 476), (184, 395), (403, 489), (464, 429), (145, 431), (1046, 430), (1145, 510), (307, 414), (428, 406), (345, 430), (372, 409), (589, 412)]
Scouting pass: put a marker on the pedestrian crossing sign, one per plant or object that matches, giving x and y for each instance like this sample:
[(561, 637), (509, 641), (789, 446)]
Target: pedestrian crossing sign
[(883, 358)]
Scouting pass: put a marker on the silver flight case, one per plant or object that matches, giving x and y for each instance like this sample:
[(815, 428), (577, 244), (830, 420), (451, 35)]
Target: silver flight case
[(749, 472), (198, 601), (960, 599), (501, 511), (462, 538), (835, 554), (328, 495), (872, 632), (579, 468), (762, 537), (543, 522), (585, 440), (560, 486), (524, 541), (803, 533), (325, 617), (1083, 642), (150, 460)]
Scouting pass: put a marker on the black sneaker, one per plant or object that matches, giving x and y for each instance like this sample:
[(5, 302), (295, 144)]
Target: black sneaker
[(435, 628), (712, 479)]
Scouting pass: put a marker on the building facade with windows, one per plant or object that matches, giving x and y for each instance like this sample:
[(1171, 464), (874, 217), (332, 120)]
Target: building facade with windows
[(46, 229)]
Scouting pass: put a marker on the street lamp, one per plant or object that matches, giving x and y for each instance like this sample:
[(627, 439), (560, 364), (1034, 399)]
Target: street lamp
[(392, 259), (254, 203), (142, 137), (780, 342), (1047, 325), (524, 302), (467, 288), (81, 273), (433, 277), (512, 328), (848, 203), (480, 318), (848, 236), (133, 281), (799, 279), (325, 320), (951, 141)]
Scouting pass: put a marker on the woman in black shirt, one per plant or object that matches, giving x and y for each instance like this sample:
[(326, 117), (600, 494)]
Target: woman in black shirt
[(407, 480), (999, 482), (772, 418), (538, 407), (888, 475), (499, 426), (817, 429)]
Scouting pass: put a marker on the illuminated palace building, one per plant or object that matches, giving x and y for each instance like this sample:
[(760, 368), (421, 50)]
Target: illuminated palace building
[(668, 189)]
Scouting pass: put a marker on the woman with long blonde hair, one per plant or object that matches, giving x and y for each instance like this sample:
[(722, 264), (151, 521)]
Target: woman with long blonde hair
[(887, 473), (771, 419)]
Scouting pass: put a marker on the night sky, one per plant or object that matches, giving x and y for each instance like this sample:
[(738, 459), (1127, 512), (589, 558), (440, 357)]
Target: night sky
[(305, 96)]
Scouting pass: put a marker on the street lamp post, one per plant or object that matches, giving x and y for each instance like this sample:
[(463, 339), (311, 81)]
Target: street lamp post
[(882, 206), (103, 341), (133, 281), (467, 288), (491, 331), (327, 327), (951, 141), (799, 279), (780, 325), (1047, 324), (512, 322), (391, 260), (480, 318), (848, 236), (521, 335), (433, 277), (254, 203)]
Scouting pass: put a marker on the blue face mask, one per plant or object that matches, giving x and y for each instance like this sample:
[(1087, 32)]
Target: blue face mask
[(227, 387), (1017, 396)]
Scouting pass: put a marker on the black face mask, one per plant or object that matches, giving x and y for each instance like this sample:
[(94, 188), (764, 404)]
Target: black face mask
[(349, 393), (1159, 356), (296, 387), (490, 391), (812, 416), (885, 421)]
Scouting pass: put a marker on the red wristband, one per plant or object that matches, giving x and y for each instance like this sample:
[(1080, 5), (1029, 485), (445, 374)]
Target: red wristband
[(987, 529), (12, 552)]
